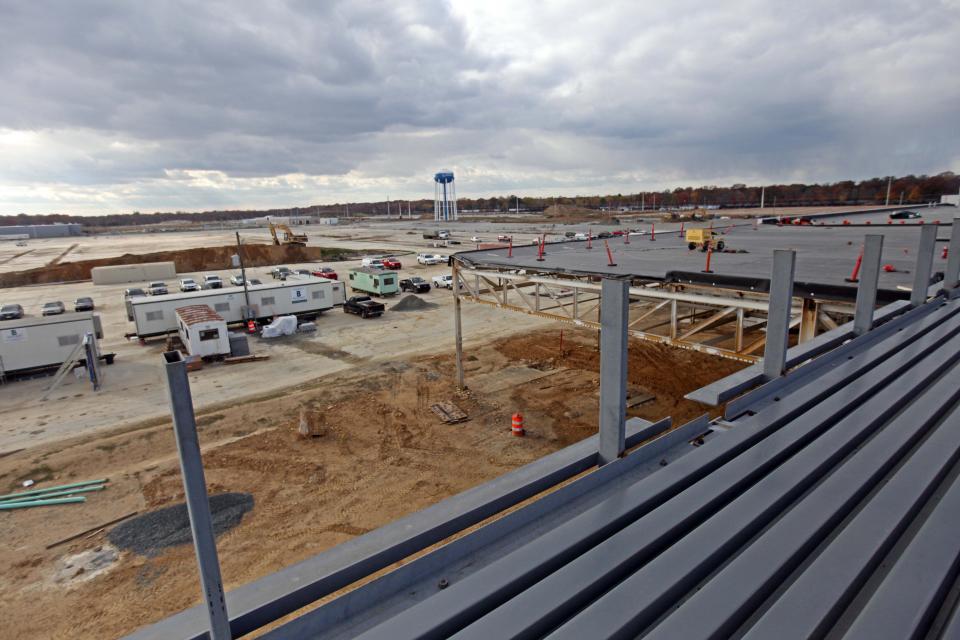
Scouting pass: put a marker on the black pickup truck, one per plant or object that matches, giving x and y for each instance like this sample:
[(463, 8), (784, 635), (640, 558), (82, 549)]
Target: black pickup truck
[(416, 284), (363, 306)]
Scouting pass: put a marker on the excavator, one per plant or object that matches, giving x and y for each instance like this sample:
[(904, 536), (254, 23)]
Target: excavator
[(286, 236)]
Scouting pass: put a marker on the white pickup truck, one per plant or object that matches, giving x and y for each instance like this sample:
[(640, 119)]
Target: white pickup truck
[(443, 282), (429, 258)]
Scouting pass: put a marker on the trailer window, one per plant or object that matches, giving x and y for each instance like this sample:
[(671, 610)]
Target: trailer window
[(154, 315), (268, 300), (351, 276), (388, 281), (221, 306), (66, 341), (318, 295), (209, 334)]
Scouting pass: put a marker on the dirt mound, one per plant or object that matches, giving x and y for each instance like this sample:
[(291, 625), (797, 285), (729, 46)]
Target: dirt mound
[(153, 532), (186, 260), (411, 302)]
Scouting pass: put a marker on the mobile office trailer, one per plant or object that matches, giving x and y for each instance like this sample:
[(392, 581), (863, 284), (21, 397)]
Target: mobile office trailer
[(374, 281), (306, 297), (203, 331), (35, 344)]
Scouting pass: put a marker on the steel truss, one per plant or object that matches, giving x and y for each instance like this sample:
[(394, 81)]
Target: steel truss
[(720, 322)]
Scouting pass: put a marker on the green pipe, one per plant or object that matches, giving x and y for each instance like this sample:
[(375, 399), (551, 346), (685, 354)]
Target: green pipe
[(40, 503), (54, 494), (57, 488)]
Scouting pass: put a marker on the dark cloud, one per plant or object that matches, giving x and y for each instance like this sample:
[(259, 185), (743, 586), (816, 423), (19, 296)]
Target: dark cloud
[(191, 104)]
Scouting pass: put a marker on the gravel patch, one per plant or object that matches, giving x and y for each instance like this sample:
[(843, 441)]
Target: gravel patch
[(153, 532), (411, 302)]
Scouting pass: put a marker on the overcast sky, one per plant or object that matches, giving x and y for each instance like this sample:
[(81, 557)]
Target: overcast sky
[(113, 106)]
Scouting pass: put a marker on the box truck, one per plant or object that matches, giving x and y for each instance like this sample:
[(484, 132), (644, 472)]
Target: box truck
[(307, 298)]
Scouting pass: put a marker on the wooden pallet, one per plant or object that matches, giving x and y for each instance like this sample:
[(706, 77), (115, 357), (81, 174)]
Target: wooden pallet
[(449, 412)]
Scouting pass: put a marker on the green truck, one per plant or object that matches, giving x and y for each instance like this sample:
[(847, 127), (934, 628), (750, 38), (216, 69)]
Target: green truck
[(374, 281)]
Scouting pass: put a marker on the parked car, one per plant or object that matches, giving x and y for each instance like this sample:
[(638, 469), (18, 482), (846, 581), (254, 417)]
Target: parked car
[(416, 284), (134, 292), (53, 308), (302, 272), (428, 258), (83, 304), (441, 257), (189, 284), (390, 262), (375, 263), (443, 282), (325, 272), (212, 281), (157, 288), (11, 312), (363, 306), (237, 280), (504, 238), (476, 239), (21, 243), (280, 273), (904, 215)]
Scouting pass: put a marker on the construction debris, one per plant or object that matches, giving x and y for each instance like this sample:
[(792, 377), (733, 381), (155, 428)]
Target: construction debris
[(311, 425), (88, 533), (449, 412)]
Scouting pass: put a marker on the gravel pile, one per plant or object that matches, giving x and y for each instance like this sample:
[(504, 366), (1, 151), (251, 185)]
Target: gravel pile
[(153, 532), (411, 302)]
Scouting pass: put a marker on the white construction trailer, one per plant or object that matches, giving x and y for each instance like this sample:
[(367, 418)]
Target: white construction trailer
[(203, 331), (305, 298), (36, 344)]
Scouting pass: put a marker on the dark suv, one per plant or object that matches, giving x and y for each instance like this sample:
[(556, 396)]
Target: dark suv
[(11, 312)]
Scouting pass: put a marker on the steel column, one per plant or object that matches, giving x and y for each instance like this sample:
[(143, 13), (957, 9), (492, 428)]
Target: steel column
[(809, 318), (867, 289), (195, 489), (778, 314), (673, 319), (921, 273), (951, 277), (614, 314), (457, 325)]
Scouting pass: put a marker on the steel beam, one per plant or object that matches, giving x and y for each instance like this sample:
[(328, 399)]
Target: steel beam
[(809, 319), (778, 315), (924, 266), (457, 326), (867, 289), (195, 489), (615, 315)]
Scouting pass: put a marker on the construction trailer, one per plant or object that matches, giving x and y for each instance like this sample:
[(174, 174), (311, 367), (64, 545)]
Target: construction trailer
[(203, 331), (305, 298), (374, 281), (37, 344)]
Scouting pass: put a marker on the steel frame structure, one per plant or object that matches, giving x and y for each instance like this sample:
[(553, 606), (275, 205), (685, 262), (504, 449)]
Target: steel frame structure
[(721, 322)]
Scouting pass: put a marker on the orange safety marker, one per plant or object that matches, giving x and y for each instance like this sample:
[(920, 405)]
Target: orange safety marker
[(855, 276), (610, 262), (589, 239), (653, 232), (517, 425), (706, 269), (510, 250)]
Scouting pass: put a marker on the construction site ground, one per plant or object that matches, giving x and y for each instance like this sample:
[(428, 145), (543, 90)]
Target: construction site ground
[(384, 454)]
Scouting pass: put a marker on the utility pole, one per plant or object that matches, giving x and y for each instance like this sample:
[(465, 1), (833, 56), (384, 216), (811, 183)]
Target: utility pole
[(518, 204), (642, 203), (243, 274), (901, 198), (388, 207), (889, 180), (763, 194)]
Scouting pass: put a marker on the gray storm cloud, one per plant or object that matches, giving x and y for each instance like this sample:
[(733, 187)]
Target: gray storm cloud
[(191, 105)]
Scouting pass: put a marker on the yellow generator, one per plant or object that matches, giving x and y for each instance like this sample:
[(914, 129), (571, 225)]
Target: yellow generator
[(702, 239)]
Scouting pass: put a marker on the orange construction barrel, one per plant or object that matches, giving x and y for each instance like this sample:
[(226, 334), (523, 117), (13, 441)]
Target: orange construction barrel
[(517, 426)]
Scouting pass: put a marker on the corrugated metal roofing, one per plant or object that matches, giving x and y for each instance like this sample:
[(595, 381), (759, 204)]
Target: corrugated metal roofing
[(826, 507), (196, 313)]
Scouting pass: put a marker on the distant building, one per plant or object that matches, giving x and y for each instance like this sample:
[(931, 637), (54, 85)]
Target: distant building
[(954, 200), (58, 230)]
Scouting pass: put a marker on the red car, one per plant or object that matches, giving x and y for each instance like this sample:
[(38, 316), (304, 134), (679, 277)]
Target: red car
[(391, 263), (325, 272)]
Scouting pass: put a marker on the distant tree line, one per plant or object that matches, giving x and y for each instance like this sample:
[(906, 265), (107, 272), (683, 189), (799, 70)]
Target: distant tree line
[(910, 190)]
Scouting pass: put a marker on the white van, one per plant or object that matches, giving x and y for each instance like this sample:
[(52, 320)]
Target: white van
[(376, 263)]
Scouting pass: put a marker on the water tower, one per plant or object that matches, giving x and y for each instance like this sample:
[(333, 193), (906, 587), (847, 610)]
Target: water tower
[(444, 196)]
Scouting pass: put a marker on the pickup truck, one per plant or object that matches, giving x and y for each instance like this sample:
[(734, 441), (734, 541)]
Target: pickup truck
[(325, 272), (212, 282), (429, 258), (391, 263), (504, 238), (363, 306), (416, 284), (443, 282), (281, 273)]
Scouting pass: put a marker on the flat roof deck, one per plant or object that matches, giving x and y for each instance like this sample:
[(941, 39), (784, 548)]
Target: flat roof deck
[(825, 257)]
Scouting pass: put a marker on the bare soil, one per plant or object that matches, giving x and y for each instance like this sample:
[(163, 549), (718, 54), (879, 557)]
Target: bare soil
[(186, 260), (384, 455)]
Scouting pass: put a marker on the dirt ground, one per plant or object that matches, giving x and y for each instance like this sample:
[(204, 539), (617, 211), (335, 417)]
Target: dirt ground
[(384, 455)]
